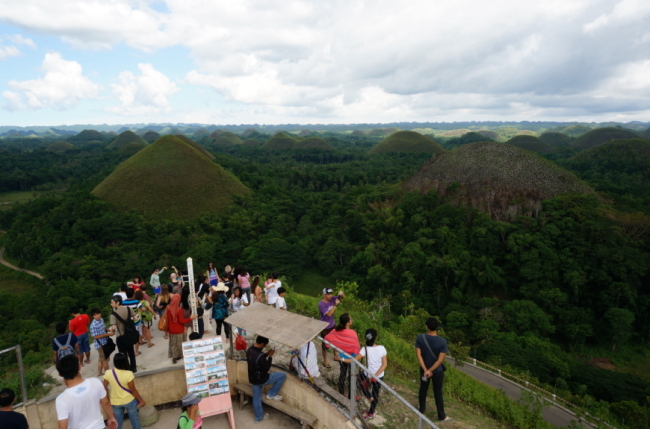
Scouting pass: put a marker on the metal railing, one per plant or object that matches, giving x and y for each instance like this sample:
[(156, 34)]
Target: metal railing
[(353, 401), (21, 370)]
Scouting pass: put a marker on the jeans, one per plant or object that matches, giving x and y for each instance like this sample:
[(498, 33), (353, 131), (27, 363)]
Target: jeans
[(132, 409), (247, 291), (226, 327), (276, 379), (437, 379), (128, 351)]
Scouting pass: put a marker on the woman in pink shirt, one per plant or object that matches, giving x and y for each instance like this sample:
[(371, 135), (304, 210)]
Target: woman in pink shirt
[(244, 282)]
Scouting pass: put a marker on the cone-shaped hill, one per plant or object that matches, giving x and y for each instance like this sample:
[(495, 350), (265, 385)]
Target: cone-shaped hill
[(455, 133), (280, 141), (358, 133), (407, 141), (531, 143), (601, 135), (619, 156), (556, 139), (200, 133), (132, 148), (500, 179), (170, 180), (126, 137), (196, 146), (313, 143), (150, 136), (228, 139), (60, 146), (251, 143), (489, 134), (86, 136)]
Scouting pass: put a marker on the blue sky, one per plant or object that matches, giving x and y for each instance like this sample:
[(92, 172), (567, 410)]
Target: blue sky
[(259, 61)]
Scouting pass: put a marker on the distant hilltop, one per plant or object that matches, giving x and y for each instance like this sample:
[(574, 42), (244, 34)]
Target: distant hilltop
[(439, 129)]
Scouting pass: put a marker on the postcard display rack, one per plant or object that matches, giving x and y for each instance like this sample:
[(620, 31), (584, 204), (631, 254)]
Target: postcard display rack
[(207, 377)]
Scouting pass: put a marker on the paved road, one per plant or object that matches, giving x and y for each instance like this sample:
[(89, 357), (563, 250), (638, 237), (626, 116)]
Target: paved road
[(552, 414)]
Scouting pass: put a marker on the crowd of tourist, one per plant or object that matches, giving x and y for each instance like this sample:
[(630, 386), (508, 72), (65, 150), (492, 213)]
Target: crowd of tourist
[(216, 296)]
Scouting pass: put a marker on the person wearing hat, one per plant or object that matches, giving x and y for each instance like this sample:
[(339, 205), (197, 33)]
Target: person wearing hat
[(220, 306), (327, 307), (191, 417)]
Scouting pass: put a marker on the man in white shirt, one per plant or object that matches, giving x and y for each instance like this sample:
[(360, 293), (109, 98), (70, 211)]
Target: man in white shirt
[(281, 304), (78, 406), (272, 289)]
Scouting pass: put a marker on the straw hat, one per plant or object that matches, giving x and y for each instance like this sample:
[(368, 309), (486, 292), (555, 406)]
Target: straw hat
[(220, 287)]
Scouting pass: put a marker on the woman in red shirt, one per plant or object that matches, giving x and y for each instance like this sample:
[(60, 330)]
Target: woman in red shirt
[(175, 322), (136, 284)]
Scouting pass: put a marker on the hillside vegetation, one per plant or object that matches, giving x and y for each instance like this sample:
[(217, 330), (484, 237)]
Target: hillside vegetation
[(503, 180), (531, 143), (85, 137), (601, 135), (170, 180), (60, 146), (124, 138), (150, 136), (313, 143), (196, 146), (280, 141), (556, 139), (407, 141)]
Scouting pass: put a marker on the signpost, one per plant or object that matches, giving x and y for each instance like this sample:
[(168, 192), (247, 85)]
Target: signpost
[(190, 275), (207, 377)]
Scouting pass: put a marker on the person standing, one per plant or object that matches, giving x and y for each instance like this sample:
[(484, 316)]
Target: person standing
[(259, 364), (154, 281), (124, 345), (9, 419), (257, 290), (431, 350), (123, 393), (245, 282), (271, 290), (147, 315), (238, 301), (326, 308), (64, 344), (346, 339), (79, 327), (220, 306), (78, 407), (98, 331), (212, 275), (135, 307), (176, 329), (376, 361)]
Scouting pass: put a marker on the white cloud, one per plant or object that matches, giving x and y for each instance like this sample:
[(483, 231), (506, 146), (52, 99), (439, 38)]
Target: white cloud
[(9, 51), (143, 94), (342, 61), (61, 86), (20, 40)]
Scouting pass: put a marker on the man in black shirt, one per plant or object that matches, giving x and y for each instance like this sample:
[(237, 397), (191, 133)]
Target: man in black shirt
[(259, 364), (431, 350), (9, 419)]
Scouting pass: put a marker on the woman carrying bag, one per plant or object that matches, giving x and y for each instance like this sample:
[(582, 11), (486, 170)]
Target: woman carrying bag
[(220, 306), (123, 393)]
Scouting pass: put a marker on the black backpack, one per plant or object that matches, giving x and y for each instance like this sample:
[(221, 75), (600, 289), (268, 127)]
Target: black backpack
[(130, 334)]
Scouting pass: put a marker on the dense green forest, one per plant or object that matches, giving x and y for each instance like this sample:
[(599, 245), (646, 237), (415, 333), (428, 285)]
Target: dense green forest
[(539, 294)]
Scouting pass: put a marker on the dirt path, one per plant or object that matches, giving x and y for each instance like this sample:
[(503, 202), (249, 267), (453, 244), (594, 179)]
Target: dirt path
[(13, 267)]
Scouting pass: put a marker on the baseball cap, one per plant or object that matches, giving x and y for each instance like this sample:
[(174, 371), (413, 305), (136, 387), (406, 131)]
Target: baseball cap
[(190, 399), (327, 291)]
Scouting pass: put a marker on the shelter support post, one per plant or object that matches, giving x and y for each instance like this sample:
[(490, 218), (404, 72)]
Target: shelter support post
[(23, 386), (353, 390)]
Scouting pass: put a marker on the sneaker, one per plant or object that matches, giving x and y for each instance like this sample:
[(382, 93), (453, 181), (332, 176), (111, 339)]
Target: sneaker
[(266, 416), (367, 415), (274, 398)]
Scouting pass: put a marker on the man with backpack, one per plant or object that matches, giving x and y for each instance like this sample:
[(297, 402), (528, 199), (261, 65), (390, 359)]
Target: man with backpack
[(431, 350), (127, 335), (259, 364), (64, 344)]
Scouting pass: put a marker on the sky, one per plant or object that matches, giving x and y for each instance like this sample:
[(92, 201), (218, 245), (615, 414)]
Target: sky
[(71, 62)]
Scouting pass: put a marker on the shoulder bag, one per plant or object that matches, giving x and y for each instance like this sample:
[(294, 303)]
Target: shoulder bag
[(442, 365)]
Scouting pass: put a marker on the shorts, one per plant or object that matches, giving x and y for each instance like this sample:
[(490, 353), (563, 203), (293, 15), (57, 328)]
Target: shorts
[(322, 335), (102, 358), (84, 346), (146, 324)]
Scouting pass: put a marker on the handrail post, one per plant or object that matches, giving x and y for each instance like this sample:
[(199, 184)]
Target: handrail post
[(23, 387), (353, 388)]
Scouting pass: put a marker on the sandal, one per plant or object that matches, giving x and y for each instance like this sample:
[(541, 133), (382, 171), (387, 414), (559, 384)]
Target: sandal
[(138, 353), (150, 345), (327, 366)]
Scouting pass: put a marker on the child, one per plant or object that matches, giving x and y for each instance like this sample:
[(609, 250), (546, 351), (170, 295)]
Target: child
[(191, 417), (280, 303), (9, 419), (98, 331)]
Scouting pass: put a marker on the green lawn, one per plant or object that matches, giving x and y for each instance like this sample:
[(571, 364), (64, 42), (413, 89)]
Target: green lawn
[(311, 282), (9, 199)]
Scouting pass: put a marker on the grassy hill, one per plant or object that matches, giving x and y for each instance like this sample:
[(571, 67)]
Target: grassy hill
[(313, 143), (572, 130), (196, 146), (124, 138), (305, 132), (501, 179), (489, 134), (60, 146), (556, 139), (601, 135), (150, 136), (407, 141), (228, 139), (455, 133), (170, 180), (280, 141), (531, 143), (526, 133), (358, 133), (85, 137), (645, 134), (132, 148), (200, 133)]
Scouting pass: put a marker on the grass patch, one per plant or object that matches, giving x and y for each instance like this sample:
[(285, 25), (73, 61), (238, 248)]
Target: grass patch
[(407, 141), (10, 199), (17, 282), (311, 283)]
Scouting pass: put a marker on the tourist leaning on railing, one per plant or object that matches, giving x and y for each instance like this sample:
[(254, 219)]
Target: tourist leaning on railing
[(347, 340)]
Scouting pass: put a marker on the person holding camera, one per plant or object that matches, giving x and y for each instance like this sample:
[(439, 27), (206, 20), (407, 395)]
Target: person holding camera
[(431, 350), (326, 308), (259, 364)]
